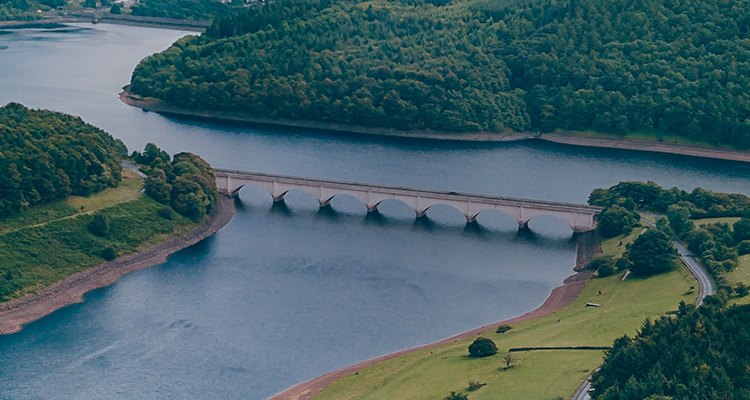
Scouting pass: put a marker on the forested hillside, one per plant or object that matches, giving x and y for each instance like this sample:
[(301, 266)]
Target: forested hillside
[(46, 156), (679, 67), (699, 354), (199, 10)]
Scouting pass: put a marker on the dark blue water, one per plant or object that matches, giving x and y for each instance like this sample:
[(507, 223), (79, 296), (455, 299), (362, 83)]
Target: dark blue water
[(282, 295)]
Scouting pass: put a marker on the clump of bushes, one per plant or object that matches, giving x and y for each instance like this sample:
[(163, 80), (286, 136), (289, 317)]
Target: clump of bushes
[(166, 213), (186, 183), (456, 396), (503, 328), (99, 226), (474, 386), (482, 347), (741, 289), (109, 254)]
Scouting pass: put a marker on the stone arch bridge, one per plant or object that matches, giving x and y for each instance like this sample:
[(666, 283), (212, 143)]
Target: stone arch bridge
[(579, 217)]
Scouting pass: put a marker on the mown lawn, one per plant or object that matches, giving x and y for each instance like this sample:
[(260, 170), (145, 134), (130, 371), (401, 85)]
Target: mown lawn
[(544, 375), (130, 186)]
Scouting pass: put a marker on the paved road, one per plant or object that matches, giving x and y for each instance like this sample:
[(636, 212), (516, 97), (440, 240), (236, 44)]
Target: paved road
[(706, 285)]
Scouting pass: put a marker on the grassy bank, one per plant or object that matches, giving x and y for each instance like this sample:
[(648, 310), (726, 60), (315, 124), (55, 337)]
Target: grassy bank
[(433, 373), (38, 256), (129, 187)]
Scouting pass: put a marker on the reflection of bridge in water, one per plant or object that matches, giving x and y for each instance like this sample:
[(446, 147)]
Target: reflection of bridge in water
[(579, 217)]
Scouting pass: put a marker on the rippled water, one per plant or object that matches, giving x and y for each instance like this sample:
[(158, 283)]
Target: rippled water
[(284, 294)]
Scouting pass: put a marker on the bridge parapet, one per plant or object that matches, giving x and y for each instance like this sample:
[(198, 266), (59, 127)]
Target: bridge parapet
[(579, 217)]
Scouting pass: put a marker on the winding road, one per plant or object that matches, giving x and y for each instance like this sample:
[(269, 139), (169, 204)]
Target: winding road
[(706, 285)]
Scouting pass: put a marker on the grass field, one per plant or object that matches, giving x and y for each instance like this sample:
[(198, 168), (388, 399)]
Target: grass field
[(38, 256), (130, 186), (544, 375), (706, 221)]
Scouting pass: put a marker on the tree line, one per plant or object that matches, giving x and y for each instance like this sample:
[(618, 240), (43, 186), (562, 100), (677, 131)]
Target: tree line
[(19, 10), (45, 156), (718, 245), (698, 354), (679, 67), (199, 10)]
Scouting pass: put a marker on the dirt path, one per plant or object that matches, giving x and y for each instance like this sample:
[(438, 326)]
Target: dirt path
[(140, 174), (17, 313)]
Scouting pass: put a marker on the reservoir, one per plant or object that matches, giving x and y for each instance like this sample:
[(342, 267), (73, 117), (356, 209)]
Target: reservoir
[(286, 293)]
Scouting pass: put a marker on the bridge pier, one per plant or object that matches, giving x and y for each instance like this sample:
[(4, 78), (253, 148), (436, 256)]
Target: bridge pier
[(523, 225), (580, 217)]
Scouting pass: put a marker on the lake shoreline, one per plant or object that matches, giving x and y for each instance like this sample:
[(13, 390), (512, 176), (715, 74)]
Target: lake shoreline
[(106, 18), (15, 314), (564, 138), (587, 246)]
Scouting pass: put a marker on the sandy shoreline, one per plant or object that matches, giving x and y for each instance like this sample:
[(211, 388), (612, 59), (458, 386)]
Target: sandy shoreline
[(560, 297), (17, 313), (565, 138)]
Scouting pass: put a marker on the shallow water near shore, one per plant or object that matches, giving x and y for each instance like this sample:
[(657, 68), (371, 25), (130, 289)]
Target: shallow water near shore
[(283, 294)]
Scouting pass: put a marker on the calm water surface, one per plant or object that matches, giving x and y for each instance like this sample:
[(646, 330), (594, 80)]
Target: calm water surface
[(284, 294)]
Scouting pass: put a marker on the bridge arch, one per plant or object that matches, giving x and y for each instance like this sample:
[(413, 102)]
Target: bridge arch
[(579, 217), (553, 225)]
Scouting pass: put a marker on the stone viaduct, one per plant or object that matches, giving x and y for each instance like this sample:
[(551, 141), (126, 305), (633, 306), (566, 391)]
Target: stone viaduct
[(579, 217)]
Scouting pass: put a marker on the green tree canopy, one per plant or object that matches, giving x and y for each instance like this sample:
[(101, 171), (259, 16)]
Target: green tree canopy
[(651, 253), (618, 66), (45, 156), (616, 220), (700, 354), (187, 182), (482, 347)]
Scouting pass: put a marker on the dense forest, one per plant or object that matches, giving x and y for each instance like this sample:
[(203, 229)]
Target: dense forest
[(698, 354), (183, 9), (187, 183), (46, 156), (676, 67)]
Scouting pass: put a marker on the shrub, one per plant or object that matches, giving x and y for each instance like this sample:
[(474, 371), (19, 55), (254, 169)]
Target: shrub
[(99, 226), (109, 254), (604, 265), (474, 385), (741, 230), (456, 396), (166, 212), (503, 328), (605, 270), (741, 290), (623, 264), (744, 247), (482, 347)]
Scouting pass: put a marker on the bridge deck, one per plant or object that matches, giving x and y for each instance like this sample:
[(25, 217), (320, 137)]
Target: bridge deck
[(406, 191)]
